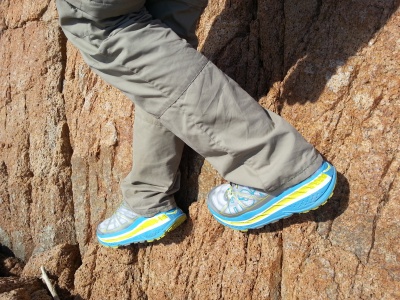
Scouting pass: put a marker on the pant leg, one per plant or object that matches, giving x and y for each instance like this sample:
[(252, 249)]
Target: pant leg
[(150, 186), (191, 97), (179, 15)]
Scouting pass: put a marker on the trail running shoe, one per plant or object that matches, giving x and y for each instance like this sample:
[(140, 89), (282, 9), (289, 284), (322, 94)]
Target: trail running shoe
[(125, 227), (241, 207)]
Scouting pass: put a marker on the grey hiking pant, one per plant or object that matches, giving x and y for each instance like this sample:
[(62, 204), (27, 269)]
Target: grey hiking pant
[(143, 48)]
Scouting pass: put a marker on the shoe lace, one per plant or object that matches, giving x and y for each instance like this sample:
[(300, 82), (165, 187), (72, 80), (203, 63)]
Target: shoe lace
[(241, 197), (229, 191), (232, 199)]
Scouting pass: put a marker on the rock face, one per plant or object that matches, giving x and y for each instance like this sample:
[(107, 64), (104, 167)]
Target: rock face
[(35, 158), (331, 68), (61, 262), (22, 289)]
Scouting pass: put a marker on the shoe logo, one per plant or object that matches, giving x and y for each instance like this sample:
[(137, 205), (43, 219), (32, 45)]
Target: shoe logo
[(327, 168)]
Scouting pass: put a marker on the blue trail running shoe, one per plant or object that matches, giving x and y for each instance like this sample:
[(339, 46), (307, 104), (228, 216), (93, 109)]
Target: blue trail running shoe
[(241, 207), (125, 227)]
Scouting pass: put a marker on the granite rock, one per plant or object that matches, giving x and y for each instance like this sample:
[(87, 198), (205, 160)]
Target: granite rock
[(328, 67), (60, 263), (13, 288)]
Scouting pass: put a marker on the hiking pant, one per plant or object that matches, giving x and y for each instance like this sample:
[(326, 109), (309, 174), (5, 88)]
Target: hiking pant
[(146, 49)]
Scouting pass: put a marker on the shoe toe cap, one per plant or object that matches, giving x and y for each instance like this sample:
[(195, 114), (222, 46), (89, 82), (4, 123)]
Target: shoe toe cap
[(216, 197)]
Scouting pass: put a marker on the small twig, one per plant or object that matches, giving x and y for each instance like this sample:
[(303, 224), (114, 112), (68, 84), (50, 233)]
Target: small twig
[(46, 280)]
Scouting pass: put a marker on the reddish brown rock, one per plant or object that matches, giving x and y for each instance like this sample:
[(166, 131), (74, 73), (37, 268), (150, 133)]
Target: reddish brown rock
[(328, 67), (11, 266), (12, 288), (35, 151), (60, 263), (17, 294)]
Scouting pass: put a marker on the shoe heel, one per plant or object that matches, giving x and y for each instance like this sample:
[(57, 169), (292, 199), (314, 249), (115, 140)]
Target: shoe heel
[(178, 222), (175, 225)]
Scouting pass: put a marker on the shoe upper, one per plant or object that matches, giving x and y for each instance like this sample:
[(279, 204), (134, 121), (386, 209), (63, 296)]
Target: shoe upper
[(121, 219), (234, 199)]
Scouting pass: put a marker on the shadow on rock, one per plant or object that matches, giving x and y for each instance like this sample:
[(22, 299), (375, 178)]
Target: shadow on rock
[(190, 169), (302, 43), (315, 59), (333, 208)]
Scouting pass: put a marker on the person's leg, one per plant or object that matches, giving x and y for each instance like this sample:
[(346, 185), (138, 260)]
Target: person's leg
[(179, 15), (149, 187), (192, 98), (235, 206)]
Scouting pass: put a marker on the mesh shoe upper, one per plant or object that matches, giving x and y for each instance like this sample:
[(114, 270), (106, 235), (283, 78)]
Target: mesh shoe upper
[(233, 199), (121, 219)]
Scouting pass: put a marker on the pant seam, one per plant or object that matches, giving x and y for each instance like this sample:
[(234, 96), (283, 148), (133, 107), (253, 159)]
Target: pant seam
[(168, 105), (149, 82), (206, 133), (184, 91), (137, 116), (215, 142)]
